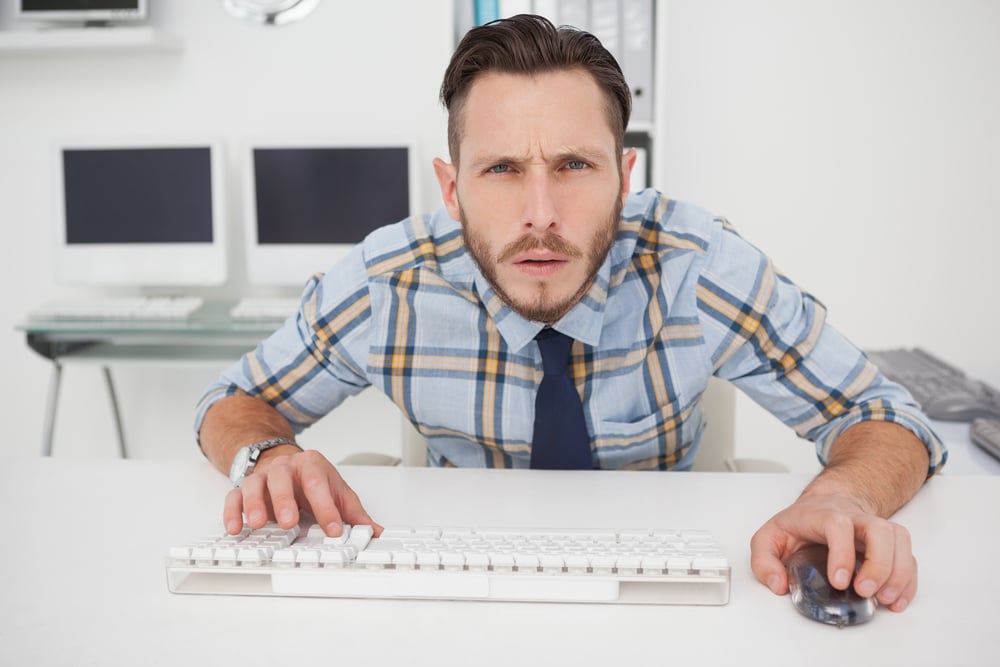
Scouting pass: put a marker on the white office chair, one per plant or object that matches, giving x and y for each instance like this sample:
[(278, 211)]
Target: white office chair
[(715, 454)]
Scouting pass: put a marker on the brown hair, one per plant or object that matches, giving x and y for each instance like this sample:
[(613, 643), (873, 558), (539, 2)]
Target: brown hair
[(527, 44)]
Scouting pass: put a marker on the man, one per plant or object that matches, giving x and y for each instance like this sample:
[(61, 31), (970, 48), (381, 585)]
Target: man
[(538, 234)]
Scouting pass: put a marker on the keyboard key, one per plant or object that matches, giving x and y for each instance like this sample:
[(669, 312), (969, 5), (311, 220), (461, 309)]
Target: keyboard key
[(360, 536), (336, 557), (250, 557), (374, 558)]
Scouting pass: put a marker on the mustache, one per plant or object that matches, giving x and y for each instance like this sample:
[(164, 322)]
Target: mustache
[(529, 242)]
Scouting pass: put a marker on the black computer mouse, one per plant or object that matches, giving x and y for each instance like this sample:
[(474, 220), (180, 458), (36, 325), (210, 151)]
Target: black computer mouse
[(814, 596)]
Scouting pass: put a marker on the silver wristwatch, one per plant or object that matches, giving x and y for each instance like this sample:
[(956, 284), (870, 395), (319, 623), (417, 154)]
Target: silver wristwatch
[(246, 458)]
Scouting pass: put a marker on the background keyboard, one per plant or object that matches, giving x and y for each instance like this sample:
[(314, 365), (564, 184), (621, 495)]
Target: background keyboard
[(264, 308), (985, 433), (550, 565), (943, 391), (120, 308)]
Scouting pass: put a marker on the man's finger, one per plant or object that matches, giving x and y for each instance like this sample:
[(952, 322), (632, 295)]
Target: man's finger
[(254, 503), (841, 558), (281, 488), (879, 548), (909, 591), (901, 581), (766, 563), (232, 512), (317, 489), (353, 512)]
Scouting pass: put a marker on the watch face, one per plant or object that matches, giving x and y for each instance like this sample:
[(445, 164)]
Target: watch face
[(238, 470)]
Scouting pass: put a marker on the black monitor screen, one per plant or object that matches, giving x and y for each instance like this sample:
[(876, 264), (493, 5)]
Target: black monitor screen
[(138, 195), (64, 5), (328, 195)]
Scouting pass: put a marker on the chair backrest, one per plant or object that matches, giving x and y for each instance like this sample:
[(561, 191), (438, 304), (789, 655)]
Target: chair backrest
[(717, 441), (414, 445)]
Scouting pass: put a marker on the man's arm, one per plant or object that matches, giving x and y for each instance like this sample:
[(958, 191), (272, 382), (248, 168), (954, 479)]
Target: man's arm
[(285, 479), (874, 469)]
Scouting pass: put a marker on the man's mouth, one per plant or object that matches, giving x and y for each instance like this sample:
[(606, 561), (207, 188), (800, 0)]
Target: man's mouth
[(539, 263)]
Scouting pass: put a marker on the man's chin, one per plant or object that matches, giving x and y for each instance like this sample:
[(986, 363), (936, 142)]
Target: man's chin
[(540, 304), (545, 312)]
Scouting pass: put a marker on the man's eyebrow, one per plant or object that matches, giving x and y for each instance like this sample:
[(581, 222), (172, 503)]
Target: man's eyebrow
[(488, 160), (579, 153), (564, 154)]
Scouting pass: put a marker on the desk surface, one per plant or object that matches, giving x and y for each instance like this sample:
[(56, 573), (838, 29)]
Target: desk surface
[(72, 597)]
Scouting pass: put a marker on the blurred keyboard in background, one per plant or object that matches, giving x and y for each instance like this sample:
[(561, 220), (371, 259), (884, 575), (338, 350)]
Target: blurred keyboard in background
[(943, 391), (264, 308), (120, 308)]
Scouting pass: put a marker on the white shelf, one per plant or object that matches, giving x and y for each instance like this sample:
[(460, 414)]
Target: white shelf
[(52, 40)]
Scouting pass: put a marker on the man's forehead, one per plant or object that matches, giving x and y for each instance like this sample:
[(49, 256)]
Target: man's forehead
[(558, 113)]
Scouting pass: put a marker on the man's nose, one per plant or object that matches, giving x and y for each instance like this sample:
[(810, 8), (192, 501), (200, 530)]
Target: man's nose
[(540, 210)]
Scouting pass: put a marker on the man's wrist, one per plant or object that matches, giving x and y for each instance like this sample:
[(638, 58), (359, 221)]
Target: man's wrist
[(248, 457), (832, 483)]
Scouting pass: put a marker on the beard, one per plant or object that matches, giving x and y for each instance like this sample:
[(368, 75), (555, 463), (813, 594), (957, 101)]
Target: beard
[(543, 305)]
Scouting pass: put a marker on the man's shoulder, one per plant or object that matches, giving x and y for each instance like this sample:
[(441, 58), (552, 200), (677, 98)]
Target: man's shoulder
[(432, 241), (655, 223)]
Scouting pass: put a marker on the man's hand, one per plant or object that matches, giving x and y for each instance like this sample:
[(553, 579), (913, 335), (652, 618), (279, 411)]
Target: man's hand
[(874, 469), (888, 571), (284, 481), (285, 478)]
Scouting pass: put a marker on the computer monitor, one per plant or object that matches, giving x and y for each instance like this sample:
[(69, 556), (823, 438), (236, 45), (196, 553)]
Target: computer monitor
[(82, 11), (140, 214), (306, 206)]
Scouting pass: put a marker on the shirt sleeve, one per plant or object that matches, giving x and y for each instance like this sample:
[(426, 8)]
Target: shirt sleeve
[(316, 359), (771, 339)]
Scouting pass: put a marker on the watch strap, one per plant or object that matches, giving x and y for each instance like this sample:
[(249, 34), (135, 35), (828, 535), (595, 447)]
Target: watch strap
[(272, 442), (238, 471)]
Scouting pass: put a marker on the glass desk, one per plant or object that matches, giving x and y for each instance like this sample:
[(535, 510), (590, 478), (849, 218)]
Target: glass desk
[(210, 335)]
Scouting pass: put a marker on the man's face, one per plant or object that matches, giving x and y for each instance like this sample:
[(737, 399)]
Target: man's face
[(538, 187)]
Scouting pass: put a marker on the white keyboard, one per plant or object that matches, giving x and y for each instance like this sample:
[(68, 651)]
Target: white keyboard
[(120, 308), (264, 308), (549, 565)]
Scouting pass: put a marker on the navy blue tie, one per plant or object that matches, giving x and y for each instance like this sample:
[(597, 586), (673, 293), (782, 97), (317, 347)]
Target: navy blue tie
[(560, 440)]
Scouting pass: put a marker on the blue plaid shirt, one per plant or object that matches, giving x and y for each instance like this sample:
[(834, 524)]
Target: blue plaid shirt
[(681, 297)]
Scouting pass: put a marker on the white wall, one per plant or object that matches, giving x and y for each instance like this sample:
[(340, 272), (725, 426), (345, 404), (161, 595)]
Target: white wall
[(857, 142), (854, 140), (351, 69)]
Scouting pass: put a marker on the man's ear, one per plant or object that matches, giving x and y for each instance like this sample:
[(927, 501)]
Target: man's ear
[(628, 161), (447, 180)]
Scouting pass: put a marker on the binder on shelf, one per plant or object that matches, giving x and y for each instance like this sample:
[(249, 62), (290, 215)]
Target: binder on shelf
[(636, 57), (625, 27), (515, 7), (547, 8), (485, 11), (464, 19), (575, 13), (605, 26)]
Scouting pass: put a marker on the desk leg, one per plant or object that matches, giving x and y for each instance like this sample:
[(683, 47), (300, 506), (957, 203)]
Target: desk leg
[(114, 409), (52, 402)]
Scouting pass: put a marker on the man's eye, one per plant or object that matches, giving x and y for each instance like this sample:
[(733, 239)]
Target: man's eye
[(576, 164), (500, 169)]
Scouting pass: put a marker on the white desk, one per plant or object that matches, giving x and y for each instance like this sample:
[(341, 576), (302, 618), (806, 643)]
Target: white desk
[(210, 336), (72, 598)]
